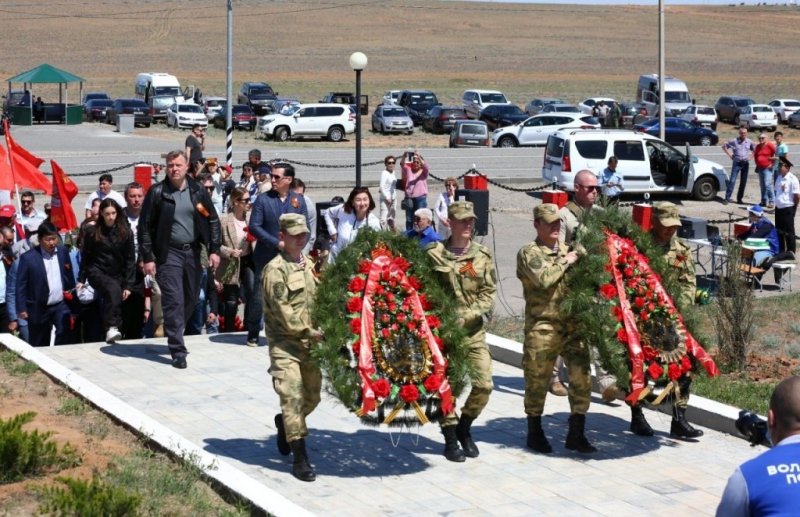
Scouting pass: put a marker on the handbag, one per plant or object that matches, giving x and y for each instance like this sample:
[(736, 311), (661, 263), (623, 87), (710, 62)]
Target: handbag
[(406, 204)]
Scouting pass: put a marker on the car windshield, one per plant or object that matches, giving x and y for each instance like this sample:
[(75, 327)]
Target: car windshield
[(213, 103), (496, 98), (101, 102), (705, 111), (473, 129), (427, 99), (762, 108), (260, 90), (394, 112), (189, 108), (289, 109), (172, 91), (163, 102), (241, 108), (510, 110), (743, 102), (677, 97)]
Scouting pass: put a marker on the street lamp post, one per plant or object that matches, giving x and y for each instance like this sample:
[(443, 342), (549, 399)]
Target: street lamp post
[(358, 62)]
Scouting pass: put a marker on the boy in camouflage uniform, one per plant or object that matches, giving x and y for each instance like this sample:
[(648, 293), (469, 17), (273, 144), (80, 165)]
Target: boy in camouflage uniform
[(289, 286), (468, 268), (665, 223), (541, 266)]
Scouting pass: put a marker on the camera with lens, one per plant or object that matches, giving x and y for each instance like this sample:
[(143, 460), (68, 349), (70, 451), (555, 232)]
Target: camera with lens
[(752, 427)]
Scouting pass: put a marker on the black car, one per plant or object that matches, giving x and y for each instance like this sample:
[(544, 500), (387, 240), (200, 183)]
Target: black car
[(257, 95), (502, 115), (417, 103), (441, 119), (242, 117), (95, 109), (679, 132), (730, 106), (136, 107)]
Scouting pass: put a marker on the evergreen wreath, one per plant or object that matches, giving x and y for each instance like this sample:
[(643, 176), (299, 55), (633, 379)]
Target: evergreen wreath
[(595, 320), (337, 311)]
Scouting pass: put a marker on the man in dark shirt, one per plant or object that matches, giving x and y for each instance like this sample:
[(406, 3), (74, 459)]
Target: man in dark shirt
[(195, 145)]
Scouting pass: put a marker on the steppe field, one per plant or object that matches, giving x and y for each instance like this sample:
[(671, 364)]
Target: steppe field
[(302, 47)]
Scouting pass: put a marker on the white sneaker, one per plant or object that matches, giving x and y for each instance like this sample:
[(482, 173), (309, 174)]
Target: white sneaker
[(113, 335)]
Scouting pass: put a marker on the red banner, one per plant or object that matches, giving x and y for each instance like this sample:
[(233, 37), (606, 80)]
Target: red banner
[(25, 171), (64, 191)]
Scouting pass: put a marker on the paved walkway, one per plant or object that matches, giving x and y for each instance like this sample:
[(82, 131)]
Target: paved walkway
[(224, 405)]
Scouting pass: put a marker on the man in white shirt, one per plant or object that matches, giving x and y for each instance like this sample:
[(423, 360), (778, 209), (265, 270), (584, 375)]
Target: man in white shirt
[(29, 217), (787, 197), (104, 190)]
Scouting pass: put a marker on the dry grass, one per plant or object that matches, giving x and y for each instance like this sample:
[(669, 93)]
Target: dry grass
[(302, 48)]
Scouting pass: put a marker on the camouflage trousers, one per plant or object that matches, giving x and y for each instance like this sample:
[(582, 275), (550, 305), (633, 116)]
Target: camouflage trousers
[(298, 382), (543, 344), (481, 383)]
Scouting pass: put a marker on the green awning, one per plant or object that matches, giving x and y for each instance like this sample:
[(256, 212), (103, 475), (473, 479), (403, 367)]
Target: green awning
[(45, 74)]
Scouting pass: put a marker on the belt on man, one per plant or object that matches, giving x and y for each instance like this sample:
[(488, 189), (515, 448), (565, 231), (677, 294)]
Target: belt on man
[(182, 247)]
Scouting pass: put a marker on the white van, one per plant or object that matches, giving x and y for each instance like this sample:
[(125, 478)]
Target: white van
[(676, 95), (474, 101), (646, 163)]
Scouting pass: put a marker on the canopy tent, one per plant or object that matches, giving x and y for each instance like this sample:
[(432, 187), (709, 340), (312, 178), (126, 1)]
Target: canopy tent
[(47, 74)]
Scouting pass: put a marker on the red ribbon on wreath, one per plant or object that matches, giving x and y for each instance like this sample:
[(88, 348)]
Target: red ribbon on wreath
[(366, 364)]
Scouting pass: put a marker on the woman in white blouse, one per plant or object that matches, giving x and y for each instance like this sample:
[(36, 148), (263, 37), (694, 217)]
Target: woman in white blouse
[(387, 194), (345, 221), (445, 198)]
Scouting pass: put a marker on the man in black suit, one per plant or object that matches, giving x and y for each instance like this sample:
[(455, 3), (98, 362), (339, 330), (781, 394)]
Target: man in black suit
[(42, 303)]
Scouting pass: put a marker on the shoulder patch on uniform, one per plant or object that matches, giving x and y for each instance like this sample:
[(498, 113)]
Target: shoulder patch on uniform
[(535, 262), (279, 290)]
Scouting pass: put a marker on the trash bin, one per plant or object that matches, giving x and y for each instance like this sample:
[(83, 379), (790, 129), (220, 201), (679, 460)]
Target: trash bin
[(125, 123)]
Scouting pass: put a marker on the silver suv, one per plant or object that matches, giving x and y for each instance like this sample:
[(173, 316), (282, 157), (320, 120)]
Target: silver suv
[(331, 121), (647, 163)]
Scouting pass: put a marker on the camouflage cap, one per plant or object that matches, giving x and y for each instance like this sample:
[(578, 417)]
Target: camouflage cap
[(547, 212), (461, 210), (666, 213), (293, 224)]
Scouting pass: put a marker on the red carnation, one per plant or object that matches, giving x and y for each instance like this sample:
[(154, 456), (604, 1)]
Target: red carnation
[(651, 307), (401, 263), (68, 296), (385, 275), (390, 297), (411, 325), (618, 314), (409, 393), (401, 317), (644, 316), (608, 291), (433, 321), (381, 387), (364, 266), (385, 333), (426, 304), (393, 307), (649, 353), (355, 325), (354, 304), (385, 318), (655, 370), (415, 283), (356, 285), (357, 347), (395, 327), (674, 372), (433, 382), (686, 364), (639, 302), (622, 336), (628, 272)]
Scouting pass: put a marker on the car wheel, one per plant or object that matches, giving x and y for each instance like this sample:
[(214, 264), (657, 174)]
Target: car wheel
[(147, 125), (383, 129), (281, 134), (507, 141), (704, 189), (335, 134), (773, 128), (705, 141), (410, 132)]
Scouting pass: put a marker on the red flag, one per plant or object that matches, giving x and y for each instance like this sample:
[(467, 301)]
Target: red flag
[(6, 178), (64, 191), (25, 167)]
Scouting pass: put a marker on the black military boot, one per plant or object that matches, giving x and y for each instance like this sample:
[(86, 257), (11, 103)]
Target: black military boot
[(452, 451), (536, 438), (465, 436), (301, 469), (283, 445), (639, 425), (576, 440), (680, 427)]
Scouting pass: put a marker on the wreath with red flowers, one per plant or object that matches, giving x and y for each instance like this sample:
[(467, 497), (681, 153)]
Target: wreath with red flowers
[(394, 357), (640, 336)]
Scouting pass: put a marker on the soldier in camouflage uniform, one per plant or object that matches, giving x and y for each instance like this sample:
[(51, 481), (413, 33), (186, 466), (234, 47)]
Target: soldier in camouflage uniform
[(665, 223), (289, 286), (542, 266), (468, 269)]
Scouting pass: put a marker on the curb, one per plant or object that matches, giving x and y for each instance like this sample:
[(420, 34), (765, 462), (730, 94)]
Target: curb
[(701, 411), (260, 496)]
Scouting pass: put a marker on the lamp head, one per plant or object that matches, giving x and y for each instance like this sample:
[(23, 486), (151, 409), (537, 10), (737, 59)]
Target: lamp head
[(358, 61)]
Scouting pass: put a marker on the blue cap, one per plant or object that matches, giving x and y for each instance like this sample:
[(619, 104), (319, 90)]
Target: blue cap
[(756, 210)]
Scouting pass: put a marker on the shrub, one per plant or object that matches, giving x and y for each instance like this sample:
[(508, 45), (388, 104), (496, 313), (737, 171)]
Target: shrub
[(733, 312), (94, 498), (29, 453)]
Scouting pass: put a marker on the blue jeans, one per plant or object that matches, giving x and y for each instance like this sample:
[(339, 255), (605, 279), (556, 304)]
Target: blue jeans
[(742, 166), (766, 182), (417, 203)]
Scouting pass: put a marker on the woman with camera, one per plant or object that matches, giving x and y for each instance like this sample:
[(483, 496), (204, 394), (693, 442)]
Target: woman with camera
[(415, 181)]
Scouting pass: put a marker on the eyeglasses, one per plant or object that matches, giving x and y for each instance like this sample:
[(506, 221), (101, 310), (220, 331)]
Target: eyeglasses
[(276, 177), (244, 200), (590, 188), (390, 163)]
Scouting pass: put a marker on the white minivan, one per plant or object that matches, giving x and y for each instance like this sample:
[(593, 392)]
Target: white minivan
[(475, 100), (646, 163)]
